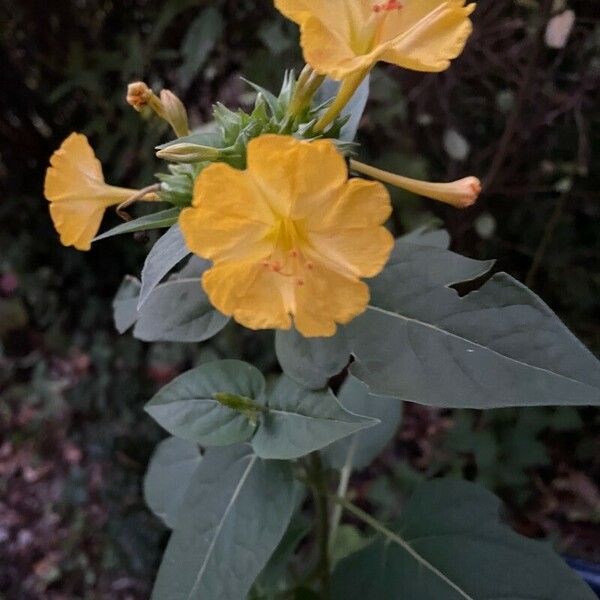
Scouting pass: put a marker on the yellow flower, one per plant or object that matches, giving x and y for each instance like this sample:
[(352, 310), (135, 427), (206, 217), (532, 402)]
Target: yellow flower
[(290, 237), (77, 193), (344, 37)]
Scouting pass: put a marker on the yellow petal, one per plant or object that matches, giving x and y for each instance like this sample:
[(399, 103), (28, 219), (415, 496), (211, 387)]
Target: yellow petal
[(249, 293), (329, 54), (426, 35), (326, 299), (361, 203), (295, 177), (78, 196), (226, 220), (361, 252)]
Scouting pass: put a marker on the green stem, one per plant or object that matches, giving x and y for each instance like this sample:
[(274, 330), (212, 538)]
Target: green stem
[(318, 486), (345, 474)]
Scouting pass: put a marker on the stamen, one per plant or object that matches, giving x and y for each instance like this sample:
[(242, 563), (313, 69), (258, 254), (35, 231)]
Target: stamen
[(387, 6)]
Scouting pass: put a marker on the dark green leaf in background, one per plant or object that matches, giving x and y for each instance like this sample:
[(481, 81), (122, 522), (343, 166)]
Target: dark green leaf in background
[(364, 446), (453, 546)]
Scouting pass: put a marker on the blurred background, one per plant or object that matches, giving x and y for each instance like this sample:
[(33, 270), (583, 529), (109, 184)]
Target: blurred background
[(520, 109)]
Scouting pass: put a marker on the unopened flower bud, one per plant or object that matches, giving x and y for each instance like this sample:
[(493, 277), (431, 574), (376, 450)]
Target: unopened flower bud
[(189, 153), (460, 194), (175, 112)]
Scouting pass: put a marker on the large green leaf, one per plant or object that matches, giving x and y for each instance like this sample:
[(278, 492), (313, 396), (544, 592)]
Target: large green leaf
[(311, 361), (178, 311), (300, 421), (168, 251), (359, 450), (499, 346), (451, 545), (158, 220), (189, 409), (171, 468), (236, 510)]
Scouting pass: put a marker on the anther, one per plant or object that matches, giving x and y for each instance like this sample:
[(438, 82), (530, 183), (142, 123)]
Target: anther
[(387, 6)]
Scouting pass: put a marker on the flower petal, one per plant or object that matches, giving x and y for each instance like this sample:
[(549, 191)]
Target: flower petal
[(229, 217), (362, 204), (295, 177), (77, 221), (361, 252), (328, 298), (250, 293), (425, 35)]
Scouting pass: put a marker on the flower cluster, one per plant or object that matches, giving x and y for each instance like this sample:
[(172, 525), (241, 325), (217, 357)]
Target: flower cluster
[(269, 197)]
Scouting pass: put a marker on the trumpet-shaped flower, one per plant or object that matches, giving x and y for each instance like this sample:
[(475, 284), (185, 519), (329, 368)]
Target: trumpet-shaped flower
[(344, 37), (77, 193), (460, 194), (290, 237)]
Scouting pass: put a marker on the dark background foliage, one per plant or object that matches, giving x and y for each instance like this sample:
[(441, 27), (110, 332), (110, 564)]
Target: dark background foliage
[(74, 440)]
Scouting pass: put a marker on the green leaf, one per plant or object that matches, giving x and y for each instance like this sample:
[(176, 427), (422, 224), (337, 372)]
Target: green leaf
[(235, 512), (171, 469), (178, 311), (360, 449), (450, 544), (428, 235), (311, 361), (168, 251), (188, 407), (300, 421), (499, 346), (198, 43), (125, 304), (158, 220)]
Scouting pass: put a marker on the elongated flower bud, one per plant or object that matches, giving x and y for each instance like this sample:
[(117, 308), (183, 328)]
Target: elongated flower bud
[(188, 153), (460, 194)]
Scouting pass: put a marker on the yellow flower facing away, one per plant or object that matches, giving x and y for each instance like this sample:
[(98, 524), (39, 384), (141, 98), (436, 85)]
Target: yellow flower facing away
[(290, 237), (77, 192), (348, 37)]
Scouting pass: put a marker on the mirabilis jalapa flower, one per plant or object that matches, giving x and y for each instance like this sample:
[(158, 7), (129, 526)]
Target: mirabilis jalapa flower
[(344, 37), (290, 237), (77, 192)]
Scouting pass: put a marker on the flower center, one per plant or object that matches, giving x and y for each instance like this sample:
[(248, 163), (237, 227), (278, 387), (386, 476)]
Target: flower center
[(367, 35), (287, 258)]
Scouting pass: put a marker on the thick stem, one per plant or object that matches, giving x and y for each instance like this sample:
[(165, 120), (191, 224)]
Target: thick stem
[(318, 486)]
